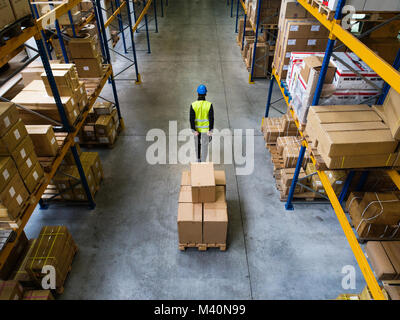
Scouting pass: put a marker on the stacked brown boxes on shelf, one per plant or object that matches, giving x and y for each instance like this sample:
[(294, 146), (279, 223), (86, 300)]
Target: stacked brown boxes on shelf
[(273, 128), (13, 10), (269, 13), (20, 170), (67, 179), (375, 215), (86, 55), (38, 96), (351, 137), (101, 125), (298, 32), (53, 247), (385, 259), (202, 208)]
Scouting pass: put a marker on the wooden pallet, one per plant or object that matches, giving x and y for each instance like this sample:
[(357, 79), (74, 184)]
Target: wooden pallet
[(14, 29), (202, 246), (323, 9)]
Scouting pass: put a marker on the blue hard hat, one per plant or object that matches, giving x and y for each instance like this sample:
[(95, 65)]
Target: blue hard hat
[(202, 89)]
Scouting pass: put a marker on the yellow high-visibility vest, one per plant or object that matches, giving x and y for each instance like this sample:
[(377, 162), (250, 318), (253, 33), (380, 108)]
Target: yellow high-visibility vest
[(202, 108)]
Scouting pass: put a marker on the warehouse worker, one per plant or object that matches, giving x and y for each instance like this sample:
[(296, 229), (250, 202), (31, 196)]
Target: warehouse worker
[(202, 123)]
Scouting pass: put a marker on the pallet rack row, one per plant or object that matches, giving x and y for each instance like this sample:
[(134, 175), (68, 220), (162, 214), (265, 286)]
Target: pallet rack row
[(37, 31), (392, 77)]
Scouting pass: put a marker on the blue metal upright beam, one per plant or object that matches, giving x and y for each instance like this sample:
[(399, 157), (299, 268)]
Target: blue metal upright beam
[(108, 57), (71, 20), (53, 86), (162, 8), (133, 44), (121, 27), (82, 175), (346, 186), (134, 14), (363, 179), (270, 90), (317, 95), (253, 63), (289, 204), (237, 16), (61, 40), (244, 30), (231, 8), (99, 31), (147, 29), (155, 14), (35, 13)]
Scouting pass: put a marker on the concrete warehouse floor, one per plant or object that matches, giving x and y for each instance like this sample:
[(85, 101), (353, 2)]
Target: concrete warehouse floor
[(129, 243)]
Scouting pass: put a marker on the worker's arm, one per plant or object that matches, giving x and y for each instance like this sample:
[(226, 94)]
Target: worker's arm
[(192, 119), (211, 118)]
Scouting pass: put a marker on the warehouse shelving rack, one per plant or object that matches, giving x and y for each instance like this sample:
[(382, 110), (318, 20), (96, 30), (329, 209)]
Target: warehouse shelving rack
[(69, 144), (255, 27), (391, 75)]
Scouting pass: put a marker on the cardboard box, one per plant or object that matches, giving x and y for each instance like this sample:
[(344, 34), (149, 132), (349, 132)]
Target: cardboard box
[(20, 247), (190, 218), (104, 125), (381, 261), (312, 68), (391, 108), (393, 291), (44, 140), (7, 171), (21, 152), (215, 223), (110, 138), (202, 181), (83, 47), (20, 274), (385, 207), (12, 198), (21, 8), (89, 68), (93, 160), (26, 166), (12, 138), (57, 247), (8, 116), (10, 290), (6, 13), (220, 178), (34, 177), (103, 108), (38, 295)]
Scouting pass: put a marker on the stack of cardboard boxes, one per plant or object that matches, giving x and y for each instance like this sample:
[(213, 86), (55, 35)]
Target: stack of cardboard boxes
[(86, 55), (385, 259), (13, 10), (202, 209), (273, 128), (38, 96), (22, 272), (67, 180), (101, 125), (19, 168), (269, 14), (342, 85), (298, 32), (375, 215), (351, 137)]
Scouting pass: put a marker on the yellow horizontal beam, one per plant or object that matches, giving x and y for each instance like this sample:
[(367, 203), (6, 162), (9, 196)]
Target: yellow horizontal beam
[(395, 176), (115, 14), (341, 216), (144, 12), (244, 7), (56, 13), (379, 65)]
